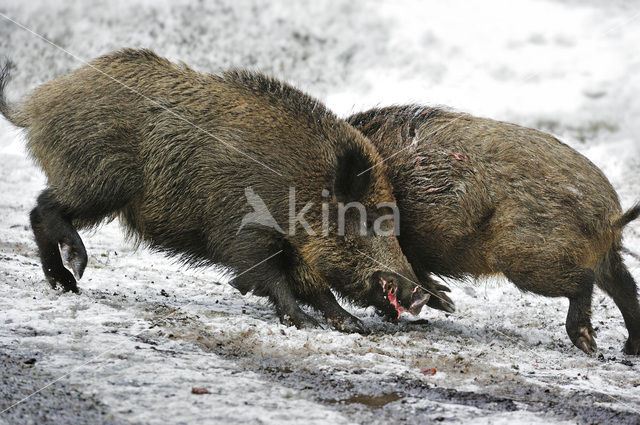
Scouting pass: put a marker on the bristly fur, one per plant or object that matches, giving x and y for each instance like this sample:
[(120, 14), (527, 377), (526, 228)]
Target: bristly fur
[(171, 151), (479, 197)]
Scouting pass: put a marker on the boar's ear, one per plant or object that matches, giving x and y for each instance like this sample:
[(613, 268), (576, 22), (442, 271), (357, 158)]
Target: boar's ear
[(352, 175)]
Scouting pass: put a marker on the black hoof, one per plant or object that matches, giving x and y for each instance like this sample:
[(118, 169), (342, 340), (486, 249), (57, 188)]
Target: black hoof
[(439, 300), (300, 320), (584, 339), (63, 278), (348, 324), (74, 257)]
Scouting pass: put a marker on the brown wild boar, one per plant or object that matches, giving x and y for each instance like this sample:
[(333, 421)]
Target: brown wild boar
[(173, 153), (480, 197)]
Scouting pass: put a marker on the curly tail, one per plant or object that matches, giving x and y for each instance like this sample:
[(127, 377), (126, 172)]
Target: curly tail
[(627, 217), (7, 110)]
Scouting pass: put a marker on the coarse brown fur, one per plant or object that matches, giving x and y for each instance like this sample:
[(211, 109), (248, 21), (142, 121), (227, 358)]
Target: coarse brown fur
[(171, 151), (480, 197)]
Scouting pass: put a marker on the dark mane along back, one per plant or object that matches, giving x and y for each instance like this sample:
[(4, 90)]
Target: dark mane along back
[(393, 117), (282, 93)]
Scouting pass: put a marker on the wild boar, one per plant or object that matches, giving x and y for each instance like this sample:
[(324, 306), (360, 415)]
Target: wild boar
[(480, 197), (173, 153)]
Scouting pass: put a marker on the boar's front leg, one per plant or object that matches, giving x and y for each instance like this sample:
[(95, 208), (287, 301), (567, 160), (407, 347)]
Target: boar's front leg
[(268, 280), (54, 232), (438, 300), (313, 290), (287, 308), (340, 319)]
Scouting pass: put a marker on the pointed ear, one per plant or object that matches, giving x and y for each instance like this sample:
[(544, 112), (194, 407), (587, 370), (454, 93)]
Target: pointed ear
[(352, 175)]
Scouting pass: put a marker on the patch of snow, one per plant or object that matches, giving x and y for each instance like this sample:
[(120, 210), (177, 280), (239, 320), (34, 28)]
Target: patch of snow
[(144, 331)]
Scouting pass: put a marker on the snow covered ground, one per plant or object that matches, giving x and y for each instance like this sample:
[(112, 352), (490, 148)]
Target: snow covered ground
[(144, 331)]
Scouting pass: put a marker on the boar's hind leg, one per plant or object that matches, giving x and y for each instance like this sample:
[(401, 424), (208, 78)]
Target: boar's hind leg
[(614, 278), (54, 232), (579, 316), (575, 284)]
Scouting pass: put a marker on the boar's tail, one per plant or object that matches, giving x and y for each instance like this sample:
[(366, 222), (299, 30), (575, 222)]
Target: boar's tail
[(627, 217), (9, 112)]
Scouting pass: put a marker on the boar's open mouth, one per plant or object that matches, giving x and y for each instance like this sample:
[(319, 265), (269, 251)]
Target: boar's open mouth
[(418, 297)]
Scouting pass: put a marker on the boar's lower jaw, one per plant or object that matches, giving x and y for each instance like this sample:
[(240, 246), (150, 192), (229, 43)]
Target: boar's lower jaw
[(389, 288)]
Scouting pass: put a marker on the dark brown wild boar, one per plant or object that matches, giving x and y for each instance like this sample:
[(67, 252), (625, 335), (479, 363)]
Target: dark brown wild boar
[(178, 155), (480, 197)]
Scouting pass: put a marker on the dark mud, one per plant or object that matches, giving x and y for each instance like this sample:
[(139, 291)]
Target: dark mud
[(368, 397), (58, 403), (364, 396)]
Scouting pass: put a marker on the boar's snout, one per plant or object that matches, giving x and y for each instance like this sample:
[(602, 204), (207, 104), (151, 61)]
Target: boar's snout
[(400, 292)]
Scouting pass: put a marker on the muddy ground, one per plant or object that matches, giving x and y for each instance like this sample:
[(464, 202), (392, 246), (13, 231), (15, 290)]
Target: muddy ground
[(145, 333)]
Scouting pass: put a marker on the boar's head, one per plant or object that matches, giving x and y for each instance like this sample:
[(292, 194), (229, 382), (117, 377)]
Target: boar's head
[(359, 256)]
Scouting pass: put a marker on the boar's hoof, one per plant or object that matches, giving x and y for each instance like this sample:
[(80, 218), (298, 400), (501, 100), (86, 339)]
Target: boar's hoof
[(74, 258), (65, 279), (300, 320), (442, 302), (632, 347), (348, 324), (584, 339), (439, 300)]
